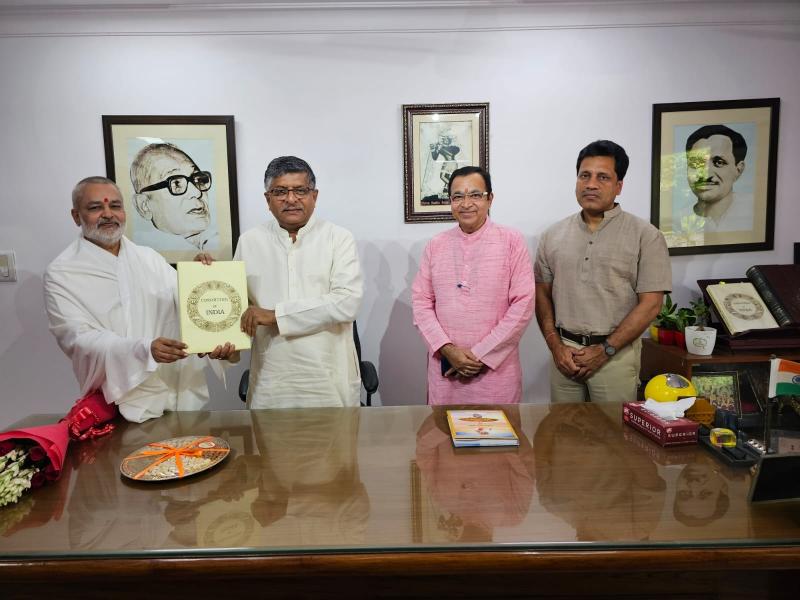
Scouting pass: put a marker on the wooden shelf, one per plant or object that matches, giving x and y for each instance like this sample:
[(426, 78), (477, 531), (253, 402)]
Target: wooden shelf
[(658, 358)]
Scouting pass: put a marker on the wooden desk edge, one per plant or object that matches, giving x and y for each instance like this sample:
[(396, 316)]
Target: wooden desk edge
[(409, 564)]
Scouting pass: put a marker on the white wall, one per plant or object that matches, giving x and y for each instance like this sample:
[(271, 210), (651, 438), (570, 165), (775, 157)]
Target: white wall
[(328, 86)]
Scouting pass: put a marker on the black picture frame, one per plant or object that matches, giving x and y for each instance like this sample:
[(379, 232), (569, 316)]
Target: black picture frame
[(686, 186), (173, 224), (721, 388), (438, 139)]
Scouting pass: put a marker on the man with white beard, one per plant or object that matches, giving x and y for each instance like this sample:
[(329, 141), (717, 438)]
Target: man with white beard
[(112, 307)]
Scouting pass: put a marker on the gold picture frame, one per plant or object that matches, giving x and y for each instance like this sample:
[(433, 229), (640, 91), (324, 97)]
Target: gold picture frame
[(437, 140)]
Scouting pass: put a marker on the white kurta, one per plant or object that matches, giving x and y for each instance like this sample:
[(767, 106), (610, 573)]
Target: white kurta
[(105, 311), (314, 286)]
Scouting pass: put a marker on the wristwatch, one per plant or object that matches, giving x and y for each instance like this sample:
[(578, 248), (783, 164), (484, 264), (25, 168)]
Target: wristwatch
[(609, 349)]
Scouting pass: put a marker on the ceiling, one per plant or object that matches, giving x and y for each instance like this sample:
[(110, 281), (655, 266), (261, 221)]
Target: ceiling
[(133, 4)]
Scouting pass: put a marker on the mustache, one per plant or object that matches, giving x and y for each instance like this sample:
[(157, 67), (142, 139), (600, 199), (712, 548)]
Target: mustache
[(107, 220)]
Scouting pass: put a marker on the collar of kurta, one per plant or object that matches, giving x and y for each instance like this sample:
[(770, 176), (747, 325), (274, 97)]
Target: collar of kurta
[(475, 235), (284, 236), (608, 216), (101, 253)]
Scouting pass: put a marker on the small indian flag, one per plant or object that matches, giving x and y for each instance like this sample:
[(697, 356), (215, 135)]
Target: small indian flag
[(784, 378)]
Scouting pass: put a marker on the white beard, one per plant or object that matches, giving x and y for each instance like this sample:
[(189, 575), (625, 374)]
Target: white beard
[(94, 233)]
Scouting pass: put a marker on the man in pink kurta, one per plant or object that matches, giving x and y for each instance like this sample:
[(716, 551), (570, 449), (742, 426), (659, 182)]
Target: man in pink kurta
[(473, 298)]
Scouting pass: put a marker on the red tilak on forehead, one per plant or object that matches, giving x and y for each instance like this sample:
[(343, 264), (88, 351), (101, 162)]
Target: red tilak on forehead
[(105, 200)]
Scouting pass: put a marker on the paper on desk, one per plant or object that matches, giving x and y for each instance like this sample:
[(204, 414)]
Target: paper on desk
[(669, 410)]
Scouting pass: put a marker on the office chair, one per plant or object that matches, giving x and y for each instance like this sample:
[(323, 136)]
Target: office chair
[(369, 374)]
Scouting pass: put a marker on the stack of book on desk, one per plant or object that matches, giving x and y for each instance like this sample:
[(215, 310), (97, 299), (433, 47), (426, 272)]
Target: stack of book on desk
[(481, 428)]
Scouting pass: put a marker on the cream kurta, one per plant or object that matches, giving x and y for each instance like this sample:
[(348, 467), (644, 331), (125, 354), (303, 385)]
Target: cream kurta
[(105, 311), (314, 286)]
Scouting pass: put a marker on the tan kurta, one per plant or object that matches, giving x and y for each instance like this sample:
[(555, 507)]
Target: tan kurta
[(597, 275)]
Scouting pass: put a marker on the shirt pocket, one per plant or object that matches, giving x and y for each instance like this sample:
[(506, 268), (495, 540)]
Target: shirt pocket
[(616, 271)]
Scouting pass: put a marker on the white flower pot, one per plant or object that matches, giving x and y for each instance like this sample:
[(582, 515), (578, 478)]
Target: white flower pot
[(700, 341)]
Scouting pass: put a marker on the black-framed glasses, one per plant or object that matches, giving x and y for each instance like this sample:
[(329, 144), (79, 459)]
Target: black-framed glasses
[(178, 184), (458, 197), (283, 193)]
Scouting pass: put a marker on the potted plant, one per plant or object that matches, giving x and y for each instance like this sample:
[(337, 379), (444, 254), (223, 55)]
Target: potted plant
[(666, 321), (684, 317), (700, 338)]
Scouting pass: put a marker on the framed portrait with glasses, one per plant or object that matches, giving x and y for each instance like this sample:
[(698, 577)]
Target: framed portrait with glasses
[(177, 175), (437, 140)]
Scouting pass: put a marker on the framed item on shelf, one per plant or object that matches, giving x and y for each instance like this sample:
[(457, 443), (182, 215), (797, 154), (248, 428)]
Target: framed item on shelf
[(721, 389), (437, 140), (177, 175), (714, 172)]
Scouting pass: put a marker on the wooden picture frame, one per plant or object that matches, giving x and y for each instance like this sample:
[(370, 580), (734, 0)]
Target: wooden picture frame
[(714, 171), (142, 152), (721, 388), (437, 140)]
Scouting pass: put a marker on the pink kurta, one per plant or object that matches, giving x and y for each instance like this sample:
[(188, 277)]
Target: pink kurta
[(475, 291)]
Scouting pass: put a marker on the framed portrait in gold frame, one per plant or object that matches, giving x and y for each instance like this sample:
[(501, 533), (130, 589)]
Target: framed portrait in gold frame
[(437, 140)]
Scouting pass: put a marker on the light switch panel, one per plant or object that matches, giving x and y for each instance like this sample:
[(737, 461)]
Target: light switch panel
[(8, 269)]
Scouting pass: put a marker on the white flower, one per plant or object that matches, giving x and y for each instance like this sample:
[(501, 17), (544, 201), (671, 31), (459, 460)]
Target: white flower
[(15, 478)]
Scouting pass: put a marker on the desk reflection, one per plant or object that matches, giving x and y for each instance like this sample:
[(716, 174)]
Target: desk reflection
[(298, 485), (310, 490), (461, 495), (592, 478), (103, 513), (701, 492)]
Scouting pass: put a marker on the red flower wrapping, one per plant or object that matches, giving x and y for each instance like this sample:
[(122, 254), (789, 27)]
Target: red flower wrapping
[(89, 418)]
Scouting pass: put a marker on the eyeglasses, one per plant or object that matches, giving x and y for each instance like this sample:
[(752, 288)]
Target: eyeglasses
[(283, 193), (178, 184), (458, 197)]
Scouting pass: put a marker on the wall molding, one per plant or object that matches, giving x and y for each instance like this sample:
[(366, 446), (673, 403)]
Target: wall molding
[(376, 17)]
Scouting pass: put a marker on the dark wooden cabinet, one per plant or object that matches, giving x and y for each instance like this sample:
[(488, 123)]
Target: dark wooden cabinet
[(657, 358)]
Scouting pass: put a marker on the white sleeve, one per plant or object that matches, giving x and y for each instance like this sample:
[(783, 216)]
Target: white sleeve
[(100, 358)]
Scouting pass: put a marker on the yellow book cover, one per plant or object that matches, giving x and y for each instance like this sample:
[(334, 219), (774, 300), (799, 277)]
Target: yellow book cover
[(212, 299), (740, 307), (481, 428)]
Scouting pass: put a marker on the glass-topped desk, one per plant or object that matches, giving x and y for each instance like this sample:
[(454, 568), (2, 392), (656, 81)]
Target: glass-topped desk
[(377, 502)]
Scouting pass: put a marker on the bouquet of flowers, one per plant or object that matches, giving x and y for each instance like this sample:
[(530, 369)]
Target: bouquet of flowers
[(32, 456)]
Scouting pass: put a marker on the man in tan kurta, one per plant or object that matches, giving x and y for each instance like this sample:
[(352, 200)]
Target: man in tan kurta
[(600, 278)]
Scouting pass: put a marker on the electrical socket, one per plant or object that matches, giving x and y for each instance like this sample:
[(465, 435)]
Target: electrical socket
[(8, 269)]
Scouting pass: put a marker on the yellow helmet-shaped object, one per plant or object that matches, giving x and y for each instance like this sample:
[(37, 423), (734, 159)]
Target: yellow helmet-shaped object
[(668, 388)]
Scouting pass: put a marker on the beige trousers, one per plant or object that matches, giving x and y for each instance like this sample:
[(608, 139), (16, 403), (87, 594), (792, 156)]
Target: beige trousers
[(616, 381)]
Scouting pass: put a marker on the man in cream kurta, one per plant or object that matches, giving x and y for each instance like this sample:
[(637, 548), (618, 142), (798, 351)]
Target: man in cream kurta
[(304, 282), (112, 308)]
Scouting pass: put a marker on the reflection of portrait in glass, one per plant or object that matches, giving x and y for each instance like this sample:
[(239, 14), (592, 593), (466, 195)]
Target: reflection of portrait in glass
[(465, 496), (714, 162), (701, 495), (447, 146), (171, 192), (590, 476), (715, 193)]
